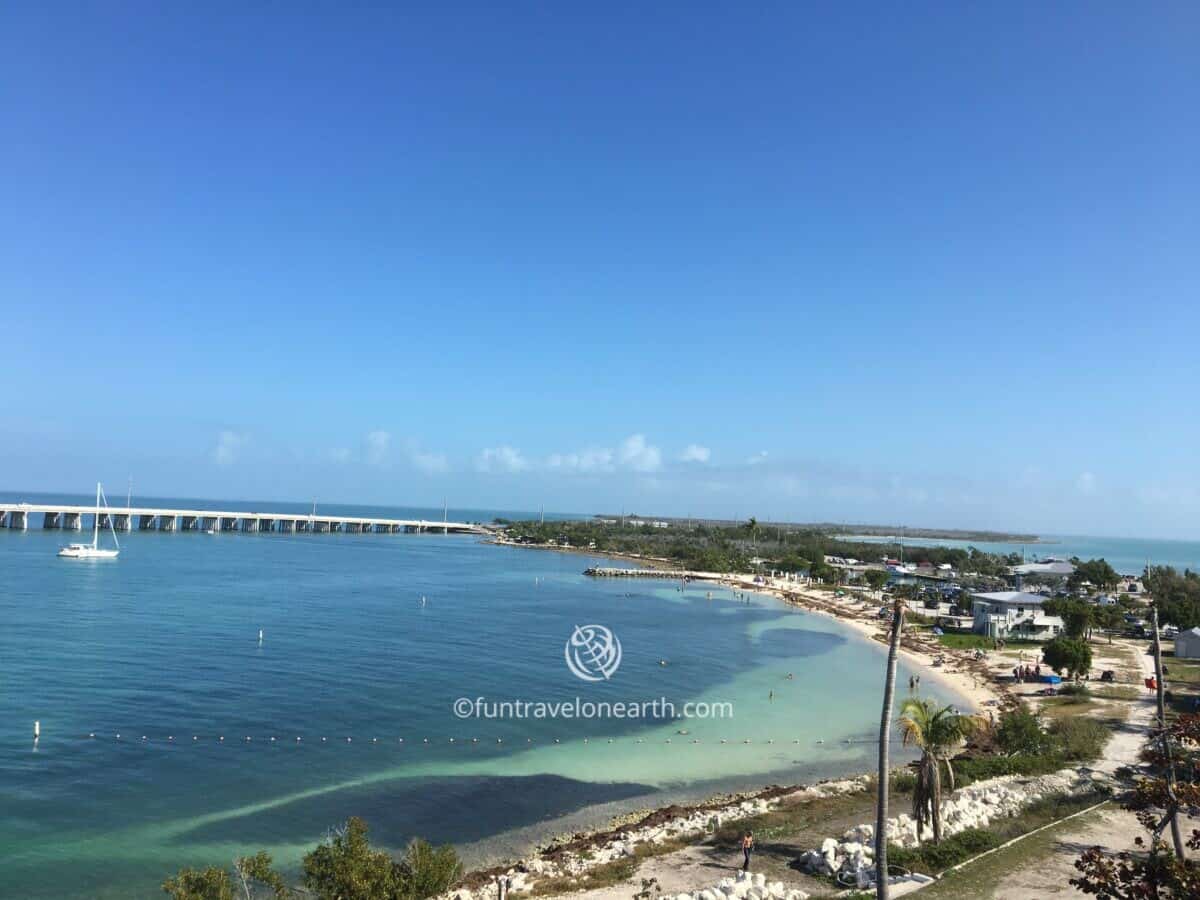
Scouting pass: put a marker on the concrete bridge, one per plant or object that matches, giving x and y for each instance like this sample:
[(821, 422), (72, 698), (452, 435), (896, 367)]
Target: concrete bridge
[(76, 518)]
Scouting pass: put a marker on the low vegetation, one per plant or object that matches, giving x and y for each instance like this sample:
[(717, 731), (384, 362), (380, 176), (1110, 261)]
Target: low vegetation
[(1167, 806), (1028, 746), (932, 859), (343, 867), (727, 548)]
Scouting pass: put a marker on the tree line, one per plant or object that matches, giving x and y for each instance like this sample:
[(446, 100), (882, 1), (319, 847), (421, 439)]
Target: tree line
[(726, 548), (342, 867)]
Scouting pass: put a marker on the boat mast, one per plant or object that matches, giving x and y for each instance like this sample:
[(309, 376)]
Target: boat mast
[(96, 520)]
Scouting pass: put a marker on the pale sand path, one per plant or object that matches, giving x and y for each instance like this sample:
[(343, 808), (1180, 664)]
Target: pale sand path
[(1114, 829), (1044, 873)]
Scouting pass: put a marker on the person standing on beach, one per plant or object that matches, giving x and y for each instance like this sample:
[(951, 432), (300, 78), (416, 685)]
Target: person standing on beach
[(747, 849)]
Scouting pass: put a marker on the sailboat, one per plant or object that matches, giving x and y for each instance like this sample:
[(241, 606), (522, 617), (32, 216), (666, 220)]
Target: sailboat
[(93, 550)]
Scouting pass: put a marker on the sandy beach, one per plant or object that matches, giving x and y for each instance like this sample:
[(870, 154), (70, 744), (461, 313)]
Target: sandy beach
[(959, 674)]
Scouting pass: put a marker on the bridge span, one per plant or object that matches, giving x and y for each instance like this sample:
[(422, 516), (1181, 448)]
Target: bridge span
[(76, 518)]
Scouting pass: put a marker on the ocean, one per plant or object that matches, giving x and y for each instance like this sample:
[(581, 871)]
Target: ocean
[(1129, 556), (367, 643)]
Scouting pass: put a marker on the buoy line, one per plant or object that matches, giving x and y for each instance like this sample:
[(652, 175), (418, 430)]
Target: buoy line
[(375, 740), (185, 739)]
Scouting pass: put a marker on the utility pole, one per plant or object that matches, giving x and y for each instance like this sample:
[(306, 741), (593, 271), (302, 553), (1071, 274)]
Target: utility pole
[(129, 496), (884, 777), (1173, 807)]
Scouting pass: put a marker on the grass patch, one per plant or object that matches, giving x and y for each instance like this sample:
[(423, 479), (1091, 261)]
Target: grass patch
[(932, 859), (1122, 692), (612, 873), (1181, 671), (606, 875), (968, 771), (1060, 707), (791, 820), (978, 880), (1080, 739), (956, 641)]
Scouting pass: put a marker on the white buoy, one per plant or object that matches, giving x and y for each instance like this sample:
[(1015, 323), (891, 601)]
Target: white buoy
[(260, 635), (37, 729)]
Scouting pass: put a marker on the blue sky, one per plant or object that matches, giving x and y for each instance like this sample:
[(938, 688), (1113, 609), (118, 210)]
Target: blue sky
[(935, 265)]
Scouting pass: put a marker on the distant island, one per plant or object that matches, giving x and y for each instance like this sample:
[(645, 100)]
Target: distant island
[(845, 528)]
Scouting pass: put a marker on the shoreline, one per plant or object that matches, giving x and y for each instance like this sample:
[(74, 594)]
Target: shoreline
[(576, 851)]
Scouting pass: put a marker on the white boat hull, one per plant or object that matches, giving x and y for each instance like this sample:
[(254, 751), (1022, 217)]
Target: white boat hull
[(93, 550), (87, 553)]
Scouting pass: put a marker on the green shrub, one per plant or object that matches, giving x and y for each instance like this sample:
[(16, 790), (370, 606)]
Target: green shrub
[(1075, 690), (346, 866), (1080, 738), (903, 782), (427, 871), (967, 771), (1020, 731), (932, 858)]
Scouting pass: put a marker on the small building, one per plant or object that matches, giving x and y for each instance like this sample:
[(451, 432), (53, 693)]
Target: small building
[(1187, 644), (1013, 614)]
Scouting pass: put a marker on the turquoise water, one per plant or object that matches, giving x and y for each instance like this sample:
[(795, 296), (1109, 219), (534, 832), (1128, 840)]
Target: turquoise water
[(164, 643), (1128, 556)]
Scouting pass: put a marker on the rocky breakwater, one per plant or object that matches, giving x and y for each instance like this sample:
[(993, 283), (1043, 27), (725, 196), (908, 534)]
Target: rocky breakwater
[(573, 857), (744, 887), (851, 859)]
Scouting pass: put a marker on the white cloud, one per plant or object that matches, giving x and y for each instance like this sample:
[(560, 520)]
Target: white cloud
[(340, 455), (595, 459), (429, 463), (695, 453), (1086, 483), (638, 455), (229, 443), (501, 459), (377, 447), (759, 457)]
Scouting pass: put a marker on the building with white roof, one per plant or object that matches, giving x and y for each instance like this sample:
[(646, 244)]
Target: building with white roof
[(1013, 614), (1187, 644)]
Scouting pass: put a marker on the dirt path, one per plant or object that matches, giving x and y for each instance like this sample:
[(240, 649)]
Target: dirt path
[(1043, 865)]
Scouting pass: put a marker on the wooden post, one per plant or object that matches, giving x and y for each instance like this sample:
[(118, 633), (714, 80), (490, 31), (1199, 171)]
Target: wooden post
[(1173, 812), (885, 728)]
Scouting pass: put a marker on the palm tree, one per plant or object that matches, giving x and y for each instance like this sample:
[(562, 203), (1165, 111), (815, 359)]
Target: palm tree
[(752, 527), (885, 725), (937, 731)]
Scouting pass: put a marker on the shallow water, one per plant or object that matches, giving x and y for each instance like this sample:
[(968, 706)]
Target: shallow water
[(164, 643), (1129, 556)]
